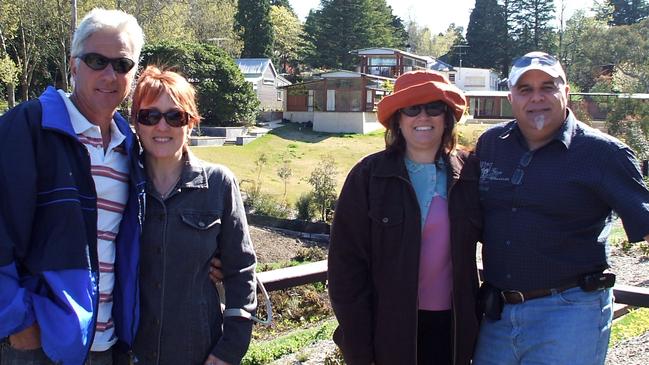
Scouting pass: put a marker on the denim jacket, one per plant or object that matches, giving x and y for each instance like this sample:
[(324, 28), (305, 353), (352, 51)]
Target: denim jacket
[(182, 321)]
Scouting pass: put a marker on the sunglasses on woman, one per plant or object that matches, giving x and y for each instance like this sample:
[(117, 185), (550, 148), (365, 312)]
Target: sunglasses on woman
[(174, 118), (432, 109), (98, 62)]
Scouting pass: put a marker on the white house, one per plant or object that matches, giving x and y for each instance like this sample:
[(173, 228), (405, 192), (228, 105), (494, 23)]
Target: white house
[(474, 79), (265, 80)]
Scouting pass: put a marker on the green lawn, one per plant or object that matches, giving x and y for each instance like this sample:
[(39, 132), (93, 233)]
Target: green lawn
[(303, 148)]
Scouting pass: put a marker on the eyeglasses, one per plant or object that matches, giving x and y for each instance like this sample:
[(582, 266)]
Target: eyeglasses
[(175, 117), (544, 59), (517, 176), (99, 62), (432, 109)]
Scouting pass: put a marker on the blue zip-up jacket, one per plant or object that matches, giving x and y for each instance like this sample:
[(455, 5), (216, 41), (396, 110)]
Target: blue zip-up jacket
[(48, 232)]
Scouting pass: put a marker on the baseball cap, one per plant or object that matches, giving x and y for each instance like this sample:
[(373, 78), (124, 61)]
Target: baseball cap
[(535, 61)]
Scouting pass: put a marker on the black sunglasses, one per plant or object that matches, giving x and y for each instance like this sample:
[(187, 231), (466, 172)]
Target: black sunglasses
[(174, 118), (98, 62), (545, 59), (432, 109)]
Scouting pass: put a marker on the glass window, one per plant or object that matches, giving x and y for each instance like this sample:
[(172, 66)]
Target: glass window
[(382, 61)]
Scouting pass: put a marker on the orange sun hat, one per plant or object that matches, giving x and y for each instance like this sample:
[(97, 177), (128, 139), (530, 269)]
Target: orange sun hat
[(421, 87)]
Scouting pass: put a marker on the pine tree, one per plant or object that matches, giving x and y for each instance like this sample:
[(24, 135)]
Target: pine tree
[(485, 34), (254, 25), (531, 29), (341, 26), (627, 12)]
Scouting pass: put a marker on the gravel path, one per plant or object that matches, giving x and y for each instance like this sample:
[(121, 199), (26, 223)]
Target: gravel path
[(631, 268)]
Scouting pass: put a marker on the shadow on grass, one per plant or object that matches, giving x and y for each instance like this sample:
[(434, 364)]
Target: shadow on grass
[(299, 132)]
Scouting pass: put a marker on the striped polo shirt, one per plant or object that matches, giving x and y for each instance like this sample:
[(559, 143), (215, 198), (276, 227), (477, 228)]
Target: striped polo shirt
[(109, 170)]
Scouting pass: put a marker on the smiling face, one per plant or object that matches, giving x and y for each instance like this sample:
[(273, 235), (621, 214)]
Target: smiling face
[(161, 141), (98, 93), (539, 103), (423, 135)]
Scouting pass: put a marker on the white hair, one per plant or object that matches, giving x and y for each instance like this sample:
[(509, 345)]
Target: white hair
[(99, 19)]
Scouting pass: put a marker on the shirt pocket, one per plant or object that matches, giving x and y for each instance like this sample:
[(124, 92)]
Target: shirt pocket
[(201, 220)]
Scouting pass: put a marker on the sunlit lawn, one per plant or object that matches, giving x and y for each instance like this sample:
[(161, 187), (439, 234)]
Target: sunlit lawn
[(303, 149)]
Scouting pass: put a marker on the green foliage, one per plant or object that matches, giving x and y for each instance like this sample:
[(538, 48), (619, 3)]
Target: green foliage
[(9, 71), (323, 182), (341, 26), (224, 96), (285, 172), (622, 12), (264, 352), (631, 325), (311, 254), (306, 207), (287, 31), (254, 25), (486, 35), (265, 204), (533, 30)]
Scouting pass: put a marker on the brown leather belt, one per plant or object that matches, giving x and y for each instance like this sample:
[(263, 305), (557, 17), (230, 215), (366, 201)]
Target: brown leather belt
[(517, 297)]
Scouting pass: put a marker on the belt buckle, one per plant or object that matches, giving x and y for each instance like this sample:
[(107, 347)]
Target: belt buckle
[(516, 292)]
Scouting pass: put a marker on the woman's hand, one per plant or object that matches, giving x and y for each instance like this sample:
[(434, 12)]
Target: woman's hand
[(27, 339), (216, 275), (213, 360)]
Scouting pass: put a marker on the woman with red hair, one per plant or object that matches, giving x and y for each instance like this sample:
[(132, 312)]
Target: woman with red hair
[(194, 212), (402, 270)]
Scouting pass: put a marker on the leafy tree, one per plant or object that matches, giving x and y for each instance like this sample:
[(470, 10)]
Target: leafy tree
[(253, 22), (213, 21), (323, 181), (423, 42), (283, 3), (287, 31), (224, 96)]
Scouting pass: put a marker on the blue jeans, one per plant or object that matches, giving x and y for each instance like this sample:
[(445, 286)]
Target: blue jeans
[(572, 327)]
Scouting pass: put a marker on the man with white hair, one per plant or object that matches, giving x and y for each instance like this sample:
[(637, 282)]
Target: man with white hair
[(548, 187), (71, 206)]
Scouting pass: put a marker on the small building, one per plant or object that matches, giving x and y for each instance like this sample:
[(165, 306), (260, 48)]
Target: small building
[(388, 62), (337, 102), (474, 79), (265, 80)]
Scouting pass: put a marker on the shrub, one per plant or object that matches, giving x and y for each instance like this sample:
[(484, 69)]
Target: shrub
[(311, 254), (306, 207), (323, 181), (265, 204), (224, 96)]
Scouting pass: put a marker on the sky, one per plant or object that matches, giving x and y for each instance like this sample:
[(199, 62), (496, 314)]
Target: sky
[(436, 14)]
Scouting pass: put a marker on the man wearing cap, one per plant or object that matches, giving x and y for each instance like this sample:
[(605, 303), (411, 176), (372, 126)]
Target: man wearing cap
[(71, 195), (548, 186)]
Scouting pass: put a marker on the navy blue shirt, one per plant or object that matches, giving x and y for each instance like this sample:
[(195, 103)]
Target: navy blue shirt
[(548, 212)]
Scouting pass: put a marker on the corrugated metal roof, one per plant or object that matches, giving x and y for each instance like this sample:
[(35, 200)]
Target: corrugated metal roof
[(252, 67)]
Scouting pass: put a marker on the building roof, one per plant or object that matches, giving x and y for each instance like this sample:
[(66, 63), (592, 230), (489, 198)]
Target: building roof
[(385, 51), (253, 69), (434, 64)]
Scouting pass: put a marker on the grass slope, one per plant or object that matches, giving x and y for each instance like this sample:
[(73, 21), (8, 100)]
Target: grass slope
[(303, 148)]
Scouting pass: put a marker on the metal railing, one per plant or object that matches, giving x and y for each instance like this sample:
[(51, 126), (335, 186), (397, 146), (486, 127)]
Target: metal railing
[(626, 296)]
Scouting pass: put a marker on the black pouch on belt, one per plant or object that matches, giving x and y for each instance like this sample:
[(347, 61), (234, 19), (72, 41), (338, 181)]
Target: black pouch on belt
[(490, 302)]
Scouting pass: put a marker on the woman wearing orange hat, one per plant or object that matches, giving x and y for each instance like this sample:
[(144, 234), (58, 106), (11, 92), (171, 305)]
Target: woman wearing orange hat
[(402, 271)]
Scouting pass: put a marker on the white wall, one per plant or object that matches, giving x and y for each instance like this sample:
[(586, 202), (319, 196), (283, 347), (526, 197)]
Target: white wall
[(466, 77), (345, 122)]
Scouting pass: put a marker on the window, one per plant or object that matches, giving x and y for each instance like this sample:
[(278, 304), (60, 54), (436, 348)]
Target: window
[(382, 61), (451, 78), (279, 95)]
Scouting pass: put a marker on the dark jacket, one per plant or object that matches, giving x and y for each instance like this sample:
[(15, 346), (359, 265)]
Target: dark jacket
[(48, 232), (374, 260), (182, 322)]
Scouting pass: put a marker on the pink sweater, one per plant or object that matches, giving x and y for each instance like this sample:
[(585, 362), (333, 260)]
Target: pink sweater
[(435, 266)]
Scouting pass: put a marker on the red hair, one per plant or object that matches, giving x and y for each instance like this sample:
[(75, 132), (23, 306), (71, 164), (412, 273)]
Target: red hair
[(155, 81)]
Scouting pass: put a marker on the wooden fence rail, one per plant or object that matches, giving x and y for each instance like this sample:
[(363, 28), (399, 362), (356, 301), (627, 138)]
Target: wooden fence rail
[(625, 295)]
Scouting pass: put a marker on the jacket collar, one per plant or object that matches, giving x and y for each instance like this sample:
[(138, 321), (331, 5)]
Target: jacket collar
[(193, 174), (563, 135), (55, 116), (394, 166)]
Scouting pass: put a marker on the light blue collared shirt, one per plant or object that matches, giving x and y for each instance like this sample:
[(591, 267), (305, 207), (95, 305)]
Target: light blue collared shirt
[(429, 181)]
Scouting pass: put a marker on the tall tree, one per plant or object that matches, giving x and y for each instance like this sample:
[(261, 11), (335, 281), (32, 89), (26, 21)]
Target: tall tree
[(624, 12), (287, 31), (341, 26), (534, 30), (486, 31), (254, 24)]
